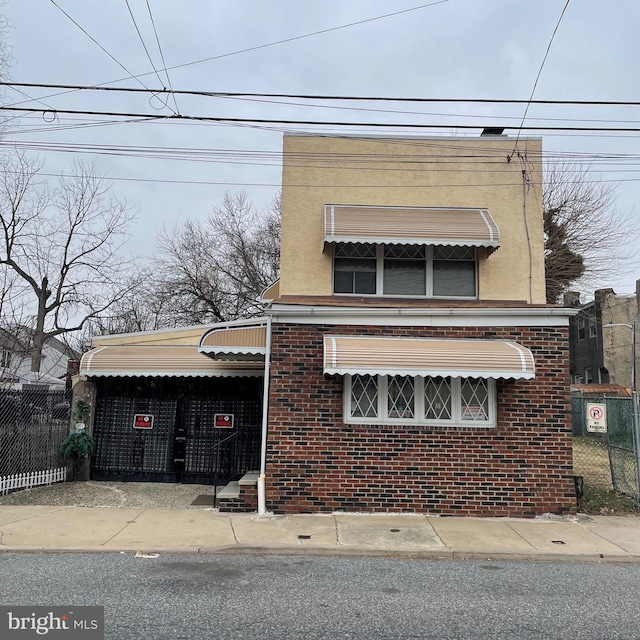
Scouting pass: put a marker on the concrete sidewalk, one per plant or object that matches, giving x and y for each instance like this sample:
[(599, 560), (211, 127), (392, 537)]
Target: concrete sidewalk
[(38, 528)]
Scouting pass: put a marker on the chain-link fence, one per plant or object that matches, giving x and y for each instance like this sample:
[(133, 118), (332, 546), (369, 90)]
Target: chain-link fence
[(34, 421), (606, 460)]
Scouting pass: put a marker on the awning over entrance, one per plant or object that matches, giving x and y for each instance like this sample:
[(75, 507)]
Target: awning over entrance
[(412, 225), (160, 361), (235, 343), (427, 357)]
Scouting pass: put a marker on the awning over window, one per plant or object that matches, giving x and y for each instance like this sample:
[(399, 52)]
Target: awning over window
[(414, 225), (427, 357), (160, 361), (235, 343)]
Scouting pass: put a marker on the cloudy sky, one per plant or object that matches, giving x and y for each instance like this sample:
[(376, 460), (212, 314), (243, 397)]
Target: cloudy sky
[(170, 168)]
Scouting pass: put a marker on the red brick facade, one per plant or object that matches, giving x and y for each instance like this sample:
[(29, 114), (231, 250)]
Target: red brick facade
[(317, 463)]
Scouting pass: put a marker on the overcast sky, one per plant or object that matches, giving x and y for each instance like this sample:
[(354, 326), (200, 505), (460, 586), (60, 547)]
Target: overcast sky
[(168, 170)]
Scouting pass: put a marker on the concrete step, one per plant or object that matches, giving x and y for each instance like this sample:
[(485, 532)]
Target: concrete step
[(231, 491)]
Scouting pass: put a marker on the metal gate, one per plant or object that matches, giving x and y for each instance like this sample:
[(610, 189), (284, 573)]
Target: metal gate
[(165, 430), (607, 459)]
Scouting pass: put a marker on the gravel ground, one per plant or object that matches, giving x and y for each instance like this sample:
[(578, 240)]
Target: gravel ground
[(150, 495)]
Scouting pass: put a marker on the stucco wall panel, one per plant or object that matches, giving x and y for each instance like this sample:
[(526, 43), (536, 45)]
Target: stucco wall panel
[(417, 172)]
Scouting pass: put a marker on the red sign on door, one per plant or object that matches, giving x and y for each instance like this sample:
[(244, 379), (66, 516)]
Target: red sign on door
[(142, 421), (223, 421)]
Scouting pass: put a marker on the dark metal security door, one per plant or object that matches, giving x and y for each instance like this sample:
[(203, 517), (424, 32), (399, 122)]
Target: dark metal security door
[(217, 453), (167, 432)]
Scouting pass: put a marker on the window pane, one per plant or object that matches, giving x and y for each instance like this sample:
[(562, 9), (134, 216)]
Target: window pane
[(404, 277), (364, 396), (400, 397), (354, 275), (437, 398), (474, 394), (454, 278)]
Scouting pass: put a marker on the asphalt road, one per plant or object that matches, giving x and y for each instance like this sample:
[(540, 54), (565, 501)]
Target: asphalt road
[(312, 598)]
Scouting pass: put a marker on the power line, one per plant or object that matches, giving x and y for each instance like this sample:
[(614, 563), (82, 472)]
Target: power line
[(258, 47), (166, 71), (303, 96), (544, 59), (131, 75), (144, 46), (282, 121)]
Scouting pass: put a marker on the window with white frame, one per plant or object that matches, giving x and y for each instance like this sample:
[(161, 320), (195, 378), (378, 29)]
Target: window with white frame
[(419, 400), (405, 270)]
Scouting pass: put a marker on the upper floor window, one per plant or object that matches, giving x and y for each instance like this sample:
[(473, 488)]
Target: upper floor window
[(581, 329), (405, 270)]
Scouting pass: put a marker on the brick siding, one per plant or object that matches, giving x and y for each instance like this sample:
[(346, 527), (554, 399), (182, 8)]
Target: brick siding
[(317, 463)]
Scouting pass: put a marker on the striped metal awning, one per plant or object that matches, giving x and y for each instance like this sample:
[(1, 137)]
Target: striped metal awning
[(427, 357), (160, 361), (242, 343), (411, 225)]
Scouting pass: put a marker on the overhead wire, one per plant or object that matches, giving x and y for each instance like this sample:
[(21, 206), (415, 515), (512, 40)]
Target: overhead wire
[(544, 60), (307, 96), (166, 71), (383, 125), (255, 48), (144, 46), (77, 24)]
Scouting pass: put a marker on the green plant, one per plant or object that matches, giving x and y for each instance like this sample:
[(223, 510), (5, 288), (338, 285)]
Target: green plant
[(82, 411), (77, 447)]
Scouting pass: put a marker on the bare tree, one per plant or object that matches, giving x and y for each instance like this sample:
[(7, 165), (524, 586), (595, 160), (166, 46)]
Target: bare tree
[(215, 270), (140, 309), (586, 239), (59, 249)]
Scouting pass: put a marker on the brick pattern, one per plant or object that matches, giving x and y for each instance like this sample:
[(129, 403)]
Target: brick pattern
[(316, 463), (246, 502)]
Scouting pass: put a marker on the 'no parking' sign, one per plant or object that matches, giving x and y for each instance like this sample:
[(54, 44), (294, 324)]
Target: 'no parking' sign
[(596, 417)]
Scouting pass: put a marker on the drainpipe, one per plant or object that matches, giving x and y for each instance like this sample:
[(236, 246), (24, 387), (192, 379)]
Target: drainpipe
[(262, 498)]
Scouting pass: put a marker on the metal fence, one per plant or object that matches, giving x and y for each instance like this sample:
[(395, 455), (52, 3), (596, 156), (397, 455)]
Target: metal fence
[(606, 460), (34, 421)]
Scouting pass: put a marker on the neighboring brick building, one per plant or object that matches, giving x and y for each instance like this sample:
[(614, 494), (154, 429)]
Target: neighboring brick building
[(414, 367)]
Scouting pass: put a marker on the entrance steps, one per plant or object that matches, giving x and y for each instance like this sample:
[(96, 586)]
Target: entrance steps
[(240, 496)]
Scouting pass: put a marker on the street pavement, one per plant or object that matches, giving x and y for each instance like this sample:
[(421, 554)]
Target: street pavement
[(145, 531)]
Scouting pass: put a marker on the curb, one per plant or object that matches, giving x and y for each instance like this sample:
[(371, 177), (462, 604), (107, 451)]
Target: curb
[(431, 554)]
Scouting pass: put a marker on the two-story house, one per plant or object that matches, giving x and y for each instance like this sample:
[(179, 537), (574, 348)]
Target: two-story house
[(408, 359), (415, 365)]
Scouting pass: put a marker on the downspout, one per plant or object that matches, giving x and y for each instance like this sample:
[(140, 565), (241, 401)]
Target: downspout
[(262, 498)]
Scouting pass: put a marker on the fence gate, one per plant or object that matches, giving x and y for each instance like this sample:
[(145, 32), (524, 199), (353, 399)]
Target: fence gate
[(607, 458), (168, 431)]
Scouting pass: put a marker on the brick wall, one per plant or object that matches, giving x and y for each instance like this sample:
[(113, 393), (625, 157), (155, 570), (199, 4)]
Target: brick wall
[(317, 463)]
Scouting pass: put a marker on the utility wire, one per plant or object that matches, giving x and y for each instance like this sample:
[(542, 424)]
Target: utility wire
[(144, 46), (131, 75), (244, 94), (256, 48), (544, 59), (399, 125), (166, 71)]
